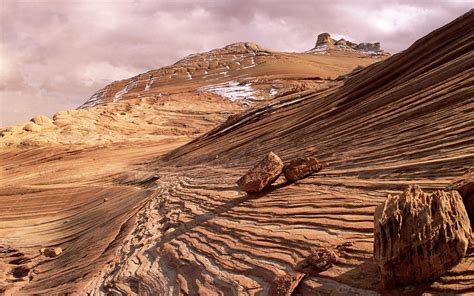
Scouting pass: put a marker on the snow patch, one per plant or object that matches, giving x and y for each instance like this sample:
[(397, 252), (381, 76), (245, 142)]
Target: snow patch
[(95, 99), (232, 90), (273, 91), (149, 83), (129, 86), (320, 49), (189, 75)]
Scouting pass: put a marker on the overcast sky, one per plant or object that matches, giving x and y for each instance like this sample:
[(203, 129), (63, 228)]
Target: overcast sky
[(55, 54)]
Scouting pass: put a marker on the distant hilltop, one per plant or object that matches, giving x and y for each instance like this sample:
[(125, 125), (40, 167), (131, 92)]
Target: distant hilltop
[(325, 43)]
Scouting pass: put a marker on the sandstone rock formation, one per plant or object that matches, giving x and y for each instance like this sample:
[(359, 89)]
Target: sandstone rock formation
[(262, 175), (191, 232), (325, 43), (419, 236), (42, 120), (465, 186), (324, 39), (301, 167)]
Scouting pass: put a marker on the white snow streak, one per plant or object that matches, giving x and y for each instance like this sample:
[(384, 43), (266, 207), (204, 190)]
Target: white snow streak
[(231, 90)]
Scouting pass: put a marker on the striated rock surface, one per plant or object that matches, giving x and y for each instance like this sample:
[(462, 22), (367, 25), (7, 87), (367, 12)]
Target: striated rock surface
[(419, 236), (262, 175), (191, 232), (301, 167)]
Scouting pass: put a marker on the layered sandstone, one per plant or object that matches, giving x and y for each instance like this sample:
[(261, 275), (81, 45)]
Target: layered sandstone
[(191, 231)]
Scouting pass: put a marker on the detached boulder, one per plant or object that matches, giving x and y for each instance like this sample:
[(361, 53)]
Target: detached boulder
[(322, 258), (419, 236), (302, 167), (262, 175)]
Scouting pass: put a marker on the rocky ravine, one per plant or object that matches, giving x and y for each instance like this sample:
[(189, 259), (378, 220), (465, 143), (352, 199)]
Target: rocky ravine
[(135, 218)]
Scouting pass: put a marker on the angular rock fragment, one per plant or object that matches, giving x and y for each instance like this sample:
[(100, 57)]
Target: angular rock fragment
[(51, 252), (465, 186), (419, 236), (262, 175), (322, 258), (285, 285), (302, 167)]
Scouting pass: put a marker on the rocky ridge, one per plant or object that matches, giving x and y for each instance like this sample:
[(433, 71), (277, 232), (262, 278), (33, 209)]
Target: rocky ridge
[(326, 44)]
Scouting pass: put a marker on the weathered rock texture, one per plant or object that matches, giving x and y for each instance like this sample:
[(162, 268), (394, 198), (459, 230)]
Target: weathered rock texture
[(262, 175), (465, 186), (301, 167), (322, 259), (286, 284), (419, 236)]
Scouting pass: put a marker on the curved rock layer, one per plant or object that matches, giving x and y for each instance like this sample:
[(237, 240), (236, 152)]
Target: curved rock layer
[(409, 119), (130, 221)]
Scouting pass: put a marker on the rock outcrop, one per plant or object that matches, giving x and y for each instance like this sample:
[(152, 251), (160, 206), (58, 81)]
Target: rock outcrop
[(465, 186), (325, 42), (301, 167), (42, 120), (262, 175), (419, 236), (324, 39)]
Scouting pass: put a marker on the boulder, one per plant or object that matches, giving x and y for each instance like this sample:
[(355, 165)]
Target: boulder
[(322, 258), (302, 167), (285, 285), (465, 186), (51, 252), (262, 175), (419, 236)]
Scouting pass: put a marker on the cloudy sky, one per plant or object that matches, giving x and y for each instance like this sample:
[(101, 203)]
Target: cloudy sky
[(54, 54)]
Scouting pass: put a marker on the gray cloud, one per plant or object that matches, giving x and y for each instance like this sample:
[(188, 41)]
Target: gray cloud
[(54, 54)]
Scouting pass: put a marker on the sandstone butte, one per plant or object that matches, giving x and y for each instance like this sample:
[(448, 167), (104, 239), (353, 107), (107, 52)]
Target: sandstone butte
[(164, 149)]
